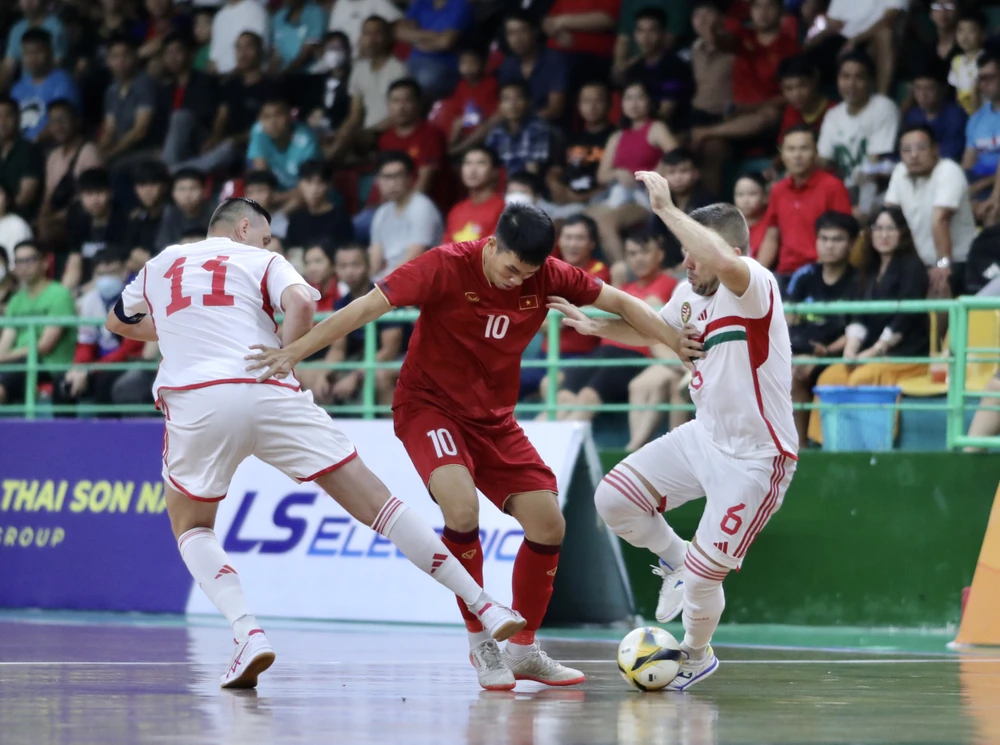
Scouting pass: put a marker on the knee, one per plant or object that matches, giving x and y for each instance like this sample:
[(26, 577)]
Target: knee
[(462, 516), (548, 528)]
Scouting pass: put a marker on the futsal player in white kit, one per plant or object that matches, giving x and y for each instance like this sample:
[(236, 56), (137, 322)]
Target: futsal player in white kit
[(206, 303), (741, 449)]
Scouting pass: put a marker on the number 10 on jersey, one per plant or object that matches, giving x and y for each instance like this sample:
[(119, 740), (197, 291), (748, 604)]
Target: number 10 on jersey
[(496, 326)]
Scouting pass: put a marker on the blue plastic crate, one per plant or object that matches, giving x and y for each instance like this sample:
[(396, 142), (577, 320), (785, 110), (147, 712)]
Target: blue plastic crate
[(867, 428)]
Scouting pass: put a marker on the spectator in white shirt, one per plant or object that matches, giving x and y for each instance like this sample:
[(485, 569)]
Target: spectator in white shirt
[(860, 130), (934, 195), (349, 17), (232, 20)]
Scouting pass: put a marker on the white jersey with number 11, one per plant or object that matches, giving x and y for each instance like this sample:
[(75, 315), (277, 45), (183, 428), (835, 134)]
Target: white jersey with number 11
[(209, 301)]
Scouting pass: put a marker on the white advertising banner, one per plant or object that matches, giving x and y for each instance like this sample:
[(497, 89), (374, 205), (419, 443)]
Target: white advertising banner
[(300, 555)]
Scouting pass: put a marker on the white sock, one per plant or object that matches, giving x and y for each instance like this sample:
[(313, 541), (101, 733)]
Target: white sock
[(478, 637), (421, 545), (626, 506), (704, 602), (211, 569), (520, 650)]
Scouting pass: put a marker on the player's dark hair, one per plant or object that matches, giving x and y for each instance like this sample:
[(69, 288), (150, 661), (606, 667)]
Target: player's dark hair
[(37, 36), (756, 176), (407, 83), (314, 168), (589, 225), (190, 174), (487, 151), (832, 220), (527, 231), (858, 58), (235, 209), (397, 156), (261, 177), (677, 157), (726, 220), (526, 178), (798, 129), (910, 128), (150, 172), (797, 66), (652, 13), (93, 179)]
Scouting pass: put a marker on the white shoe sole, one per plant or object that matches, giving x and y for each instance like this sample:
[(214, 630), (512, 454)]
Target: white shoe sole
[(248, 678), (507, 630)]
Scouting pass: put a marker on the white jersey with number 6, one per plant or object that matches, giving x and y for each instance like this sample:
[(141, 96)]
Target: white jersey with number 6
[(742, 388), (209, 301)]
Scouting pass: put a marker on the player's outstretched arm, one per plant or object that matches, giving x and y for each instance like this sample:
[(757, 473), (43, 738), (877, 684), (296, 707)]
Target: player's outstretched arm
[(705, 245), (607, 328), (140, 329), (278, 363), (637, 314)]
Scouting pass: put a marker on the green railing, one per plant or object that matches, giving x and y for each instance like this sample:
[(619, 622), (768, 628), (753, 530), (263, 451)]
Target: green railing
[(954, 403)]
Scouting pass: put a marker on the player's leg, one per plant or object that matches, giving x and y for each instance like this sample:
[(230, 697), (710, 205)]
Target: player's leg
[(651, 387), (742, 495), (656, 478), (514, 478), (206, 439)]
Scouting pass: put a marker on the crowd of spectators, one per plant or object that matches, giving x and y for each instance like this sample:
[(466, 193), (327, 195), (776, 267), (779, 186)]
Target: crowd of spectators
[(861, 140)]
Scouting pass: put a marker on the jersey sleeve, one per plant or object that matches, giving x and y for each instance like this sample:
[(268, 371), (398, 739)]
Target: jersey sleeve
[(671, 312), (415, 282), (279, 276), (577, 286), (133, 296), (756, 299)]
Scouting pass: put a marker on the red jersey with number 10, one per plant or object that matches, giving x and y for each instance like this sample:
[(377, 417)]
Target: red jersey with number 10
[(465, 353)]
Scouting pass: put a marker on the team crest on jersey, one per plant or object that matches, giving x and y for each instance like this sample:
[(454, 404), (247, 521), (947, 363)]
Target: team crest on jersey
[(527, 302), (472, 297), (685, 312)]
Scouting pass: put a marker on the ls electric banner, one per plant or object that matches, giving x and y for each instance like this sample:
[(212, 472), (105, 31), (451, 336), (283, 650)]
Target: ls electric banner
[(83, 526)]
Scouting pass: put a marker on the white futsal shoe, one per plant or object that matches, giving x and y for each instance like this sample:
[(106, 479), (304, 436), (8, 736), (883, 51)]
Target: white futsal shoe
[(694, 671), (671, 591), (251, 657), (493, 674), (500, 621), (537, 666)]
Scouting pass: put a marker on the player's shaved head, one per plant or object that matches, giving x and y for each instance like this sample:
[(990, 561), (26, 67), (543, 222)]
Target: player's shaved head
[(527, 231), (728, 222), (242, 220)]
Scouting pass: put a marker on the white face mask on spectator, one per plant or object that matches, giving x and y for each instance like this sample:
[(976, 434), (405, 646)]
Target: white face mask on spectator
[(109, 288), (518, 197)]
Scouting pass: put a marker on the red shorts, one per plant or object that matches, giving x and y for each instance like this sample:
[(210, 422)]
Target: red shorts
[(501, 459)]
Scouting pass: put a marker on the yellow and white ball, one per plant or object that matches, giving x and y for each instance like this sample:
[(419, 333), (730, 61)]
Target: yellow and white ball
[(648, 658)]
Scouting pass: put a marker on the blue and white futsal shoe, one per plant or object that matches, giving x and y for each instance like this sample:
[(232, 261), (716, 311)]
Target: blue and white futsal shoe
[(694, 671)]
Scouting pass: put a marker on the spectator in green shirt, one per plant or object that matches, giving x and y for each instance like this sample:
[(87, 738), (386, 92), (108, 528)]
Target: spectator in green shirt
[(38, 296)]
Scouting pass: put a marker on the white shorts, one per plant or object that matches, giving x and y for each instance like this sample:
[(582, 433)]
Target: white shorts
[(211, 430), (741, 493)]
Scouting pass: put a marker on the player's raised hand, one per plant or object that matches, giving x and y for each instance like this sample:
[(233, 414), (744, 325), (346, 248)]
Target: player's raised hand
[(575, 318), (658, 188), (276, 363), (691, 346)]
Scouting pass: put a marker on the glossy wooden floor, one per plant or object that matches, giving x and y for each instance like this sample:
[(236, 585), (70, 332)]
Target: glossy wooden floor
[(109, 680)]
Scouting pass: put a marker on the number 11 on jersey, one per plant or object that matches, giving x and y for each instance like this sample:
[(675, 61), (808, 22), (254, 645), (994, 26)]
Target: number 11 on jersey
[(216, 298)]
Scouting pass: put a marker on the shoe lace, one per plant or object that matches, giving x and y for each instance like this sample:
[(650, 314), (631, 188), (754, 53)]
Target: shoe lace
[(489, 655), (658, 570)]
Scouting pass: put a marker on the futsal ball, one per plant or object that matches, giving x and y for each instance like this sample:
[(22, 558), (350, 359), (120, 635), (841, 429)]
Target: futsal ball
[(648, 658)]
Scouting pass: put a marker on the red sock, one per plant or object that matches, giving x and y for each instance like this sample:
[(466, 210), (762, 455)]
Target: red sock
[(534, 573), (469, 551)]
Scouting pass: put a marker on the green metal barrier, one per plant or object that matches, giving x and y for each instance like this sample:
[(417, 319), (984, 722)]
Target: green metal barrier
[(955, 403)]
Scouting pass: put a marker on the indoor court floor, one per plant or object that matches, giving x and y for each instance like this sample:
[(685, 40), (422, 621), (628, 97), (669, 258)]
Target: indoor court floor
[(113, 679)]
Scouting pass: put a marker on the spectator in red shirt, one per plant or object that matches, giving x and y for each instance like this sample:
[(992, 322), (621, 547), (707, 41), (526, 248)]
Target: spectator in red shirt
[(477, 216), (750, 198), (796, 203), (468, 114), (585, 30), (321, 274), (757, 99), (804, 101), (409, 132), (592, 386)]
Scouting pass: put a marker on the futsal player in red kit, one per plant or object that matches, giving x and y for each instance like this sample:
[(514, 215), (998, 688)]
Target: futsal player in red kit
[(481, 303)]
